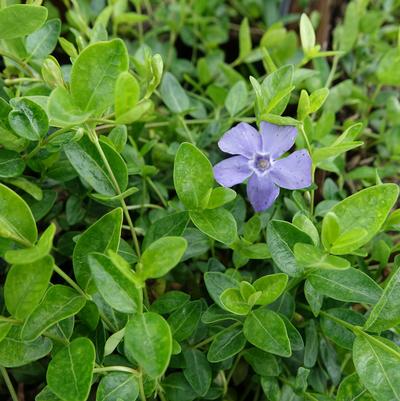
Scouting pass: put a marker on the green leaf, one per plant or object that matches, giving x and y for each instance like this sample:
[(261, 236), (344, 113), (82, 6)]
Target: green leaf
[(118, 386), (170, 225), (263, 363), (317, 99), (237, 98), (244, 39), (233, 301), (307, 34), (42, 42), (169, 302), (148, 339), (351, 389), (184, 321), (70, 372), (320, 155), (127, 94), (193, 176), (19, 20), (95, 73), (25, 286), (218, 224), (330, 230), (281, 238), (173, 95), (58, 303), (16, 219), (386, 313), (266, 330), (101, 236), (217, 283), (161, 256), (349, 285), (177, 388), (276, 89), (367, 210), (11, 164), (198, 371), (226, 344), (14, 352), (271, 287), (377, 362), (87, 162), (28, 120), (38, 251), (62, 111), (116, 286)]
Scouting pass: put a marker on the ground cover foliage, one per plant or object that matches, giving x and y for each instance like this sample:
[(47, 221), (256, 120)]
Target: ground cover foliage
[(128, 272)]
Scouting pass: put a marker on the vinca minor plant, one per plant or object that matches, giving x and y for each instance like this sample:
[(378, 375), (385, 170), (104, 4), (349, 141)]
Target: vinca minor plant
[(130, 268)]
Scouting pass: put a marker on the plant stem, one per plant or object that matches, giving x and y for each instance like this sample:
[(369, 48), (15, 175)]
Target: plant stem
[(96, 142), (332, 72), (23, 65), (157, 191), (116, 369), (9, 385), (188, 133), (144, 206), (141, 388), (71, 282)]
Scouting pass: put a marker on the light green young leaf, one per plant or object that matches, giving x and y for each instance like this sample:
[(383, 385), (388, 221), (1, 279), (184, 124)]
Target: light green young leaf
[(271, 287), (70, 372), (161, 256), (244, 39), (95, 72), (58, 303), (307, 34), (148, 339), (173, 95), (193, 176), (220, 196), (237, 98), (38, 251), (351, 389), (19, 20), (234, 302), (127, 94), (366, 209), (42, 42)]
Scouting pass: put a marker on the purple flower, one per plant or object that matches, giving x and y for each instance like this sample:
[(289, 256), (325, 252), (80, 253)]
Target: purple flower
[(258, 159)]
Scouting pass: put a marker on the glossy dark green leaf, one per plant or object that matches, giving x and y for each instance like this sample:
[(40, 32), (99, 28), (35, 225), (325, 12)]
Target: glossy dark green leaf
[(170, 225), (58, 303), (101, 236), (148, 339), (28, 120), (193, 176), (25, 286), (95, 73), (11, 164), (198, 371), (161, 256), (184, 321), (177, 388), (169, 302), (118, 386), (87, 162), (14, 352), (281, 238), (349, 285), (263, 363), (266, 330), (218, 224), (386, 313), (311, 344), (70, 372), (377, 362), (18, 20), (115, 284), (351, 389), (226, 344), (295, 338)]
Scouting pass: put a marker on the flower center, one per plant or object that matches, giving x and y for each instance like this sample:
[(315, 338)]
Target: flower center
[(262, 163)]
